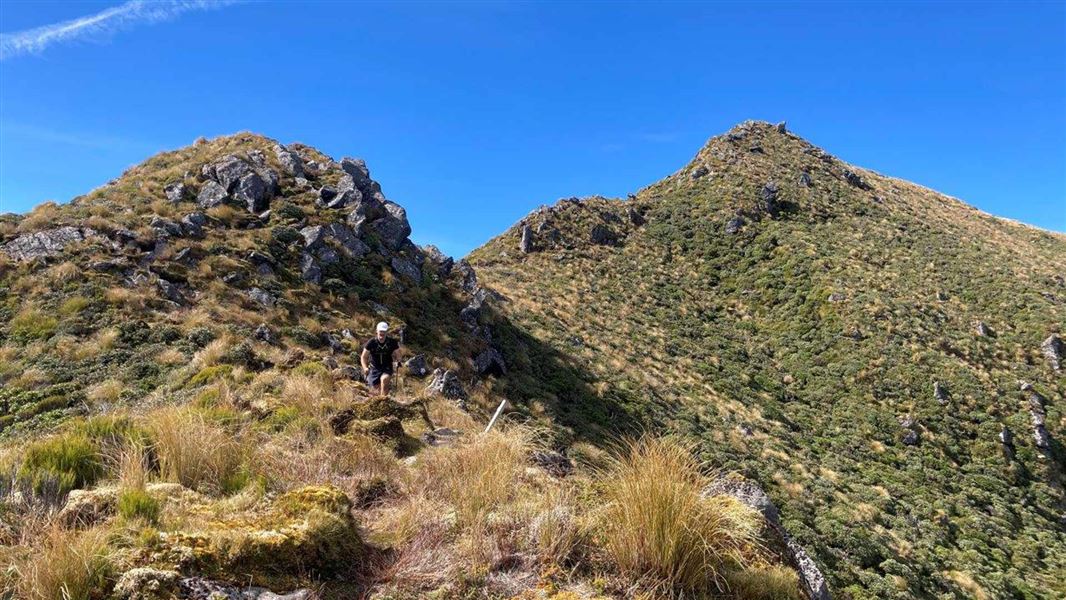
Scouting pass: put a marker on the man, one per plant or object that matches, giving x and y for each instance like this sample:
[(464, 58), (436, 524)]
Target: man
[(379, 354)]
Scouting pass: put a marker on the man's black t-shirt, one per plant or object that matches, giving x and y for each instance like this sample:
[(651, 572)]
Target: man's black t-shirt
[(381, 353)]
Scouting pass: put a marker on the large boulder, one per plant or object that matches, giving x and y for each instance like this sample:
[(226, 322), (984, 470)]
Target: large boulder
[(416, 366), (602, 235), (393, 228), (406, 268), (43, 244), (768, 200), (212, 194), (228, 171), (254, 192), (290, 162)]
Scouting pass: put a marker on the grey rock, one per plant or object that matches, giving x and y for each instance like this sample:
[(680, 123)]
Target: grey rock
[(348, 372), (635, 217), (752, 495), (1053, 350), (734, 225), (781, 127), (310, 271), (768, 200), (261, 296), (365, 210), (983, 330), (836, 297), (555, 463), (805, 179), (910, 437), (406, 268), (907, 421), (1006, 437), (290, 162), (229, 170), (446, 383), (525, 245), (940, 393), (1041, 436), (109, 266), (265, 334), (490, 362), (211, 194), (254, 192), (698, 172), (416, 366), (468, 276), (169, 291), (175, 191), (44, 244), (441, 436), (144, 583), (357, 170), (602, 235), (393, 228), (941, 296), (345, 198), (193, 224), (443, 262), (166, 227), (855, 179)]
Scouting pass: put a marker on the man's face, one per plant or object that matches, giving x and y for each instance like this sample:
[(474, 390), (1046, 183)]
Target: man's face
[(381, 335)]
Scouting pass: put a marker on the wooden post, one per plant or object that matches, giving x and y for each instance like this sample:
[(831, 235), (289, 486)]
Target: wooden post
[(496, 416)]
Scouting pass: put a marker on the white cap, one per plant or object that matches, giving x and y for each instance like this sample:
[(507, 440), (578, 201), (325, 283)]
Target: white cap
[(383, 326)]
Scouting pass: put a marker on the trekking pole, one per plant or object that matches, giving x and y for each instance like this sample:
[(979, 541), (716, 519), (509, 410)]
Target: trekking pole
[(496, 416)]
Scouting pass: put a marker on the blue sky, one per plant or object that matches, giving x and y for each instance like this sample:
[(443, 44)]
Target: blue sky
[(473, 114)]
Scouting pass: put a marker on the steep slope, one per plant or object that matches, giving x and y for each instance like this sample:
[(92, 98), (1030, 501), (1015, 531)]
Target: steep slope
[(882, 358), (182, 413)]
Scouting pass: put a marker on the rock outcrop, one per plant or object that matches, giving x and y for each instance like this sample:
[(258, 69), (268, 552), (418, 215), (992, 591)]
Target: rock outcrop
[(1053, 350), (47, 243), (752, 495)]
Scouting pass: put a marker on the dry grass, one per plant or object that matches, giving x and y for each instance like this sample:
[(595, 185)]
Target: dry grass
[(171, 356), (70, 565), (308, 393), (105, 392), (63, 273), (659, 528), (194, 452), (477, 474), (212, 353), (769, 583), (45, 215)]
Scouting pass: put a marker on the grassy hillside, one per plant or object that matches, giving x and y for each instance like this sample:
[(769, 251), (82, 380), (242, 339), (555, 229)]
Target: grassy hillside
[(854, 342), (181, 411)]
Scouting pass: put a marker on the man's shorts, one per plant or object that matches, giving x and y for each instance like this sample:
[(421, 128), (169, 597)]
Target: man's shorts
[(373, 377)]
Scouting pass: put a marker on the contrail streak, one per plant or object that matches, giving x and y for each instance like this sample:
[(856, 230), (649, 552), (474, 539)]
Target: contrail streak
[(124, 16)]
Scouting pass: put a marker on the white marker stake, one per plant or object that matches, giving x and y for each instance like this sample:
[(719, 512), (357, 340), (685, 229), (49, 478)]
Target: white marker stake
[(496, 416)]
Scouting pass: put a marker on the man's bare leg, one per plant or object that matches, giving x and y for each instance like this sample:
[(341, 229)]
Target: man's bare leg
[(386, 384)]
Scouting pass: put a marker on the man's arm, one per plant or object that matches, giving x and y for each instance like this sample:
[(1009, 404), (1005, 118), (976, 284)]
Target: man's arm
[(364, 358)]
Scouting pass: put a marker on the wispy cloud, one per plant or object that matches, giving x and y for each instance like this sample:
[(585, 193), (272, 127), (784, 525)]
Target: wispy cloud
[(101, 24)]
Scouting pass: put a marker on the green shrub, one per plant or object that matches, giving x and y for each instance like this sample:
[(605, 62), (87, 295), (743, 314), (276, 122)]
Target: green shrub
[(138, 504), (210, 374), (32, 324), (61, 463)]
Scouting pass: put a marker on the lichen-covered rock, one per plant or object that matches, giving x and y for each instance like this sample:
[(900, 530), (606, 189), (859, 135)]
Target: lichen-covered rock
[(768, 200), (602, 235), (393, 228), (211, 194), (144, 583), (374, 408), (289, 160), (734, 225), (306, 530), (855, 179), (175, 191), (940, 393), (1053, 350), (88, 507), (262, 297), (43, 244), (446, 383)]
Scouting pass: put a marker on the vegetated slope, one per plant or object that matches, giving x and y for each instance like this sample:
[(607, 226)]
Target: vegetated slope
[(181, 411), (856, 343)]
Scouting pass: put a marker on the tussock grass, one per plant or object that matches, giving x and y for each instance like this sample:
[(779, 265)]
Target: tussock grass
[(194, 452), (71, 565), (61, 463), (658, 527), (477, 474), (105, 392), (765, 583)]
